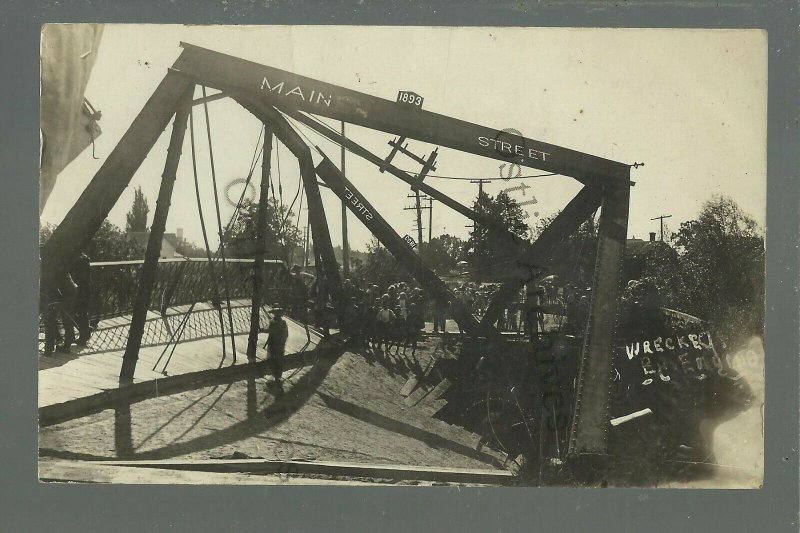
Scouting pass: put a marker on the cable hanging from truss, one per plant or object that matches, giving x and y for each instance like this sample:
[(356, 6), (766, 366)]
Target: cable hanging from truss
[(219, 225), (213, 276)]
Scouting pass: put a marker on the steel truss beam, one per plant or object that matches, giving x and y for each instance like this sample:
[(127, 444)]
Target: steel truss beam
[(262, 229), (323, 248), (370, 217), (290, 91), (260, 87), (532, 260), (590, 421), (84, 219), (147, 278)]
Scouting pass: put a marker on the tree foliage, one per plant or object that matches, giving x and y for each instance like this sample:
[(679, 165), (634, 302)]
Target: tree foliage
[(722, 264), (482, 251), (110, 243), (443, 253), (572, 259), (379, 267), (282, 235), (136, 219)]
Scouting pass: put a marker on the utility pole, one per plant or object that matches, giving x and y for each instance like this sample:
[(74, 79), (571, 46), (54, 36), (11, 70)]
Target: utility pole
[(430, 219), (419, 217), (419, 208), (428, 165), (661, 219), (345, 244), (480, 183)]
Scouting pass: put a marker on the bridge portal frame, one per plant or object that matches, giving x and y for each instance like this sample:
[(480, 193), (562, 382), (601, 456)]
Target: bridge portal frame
[(267, 91)]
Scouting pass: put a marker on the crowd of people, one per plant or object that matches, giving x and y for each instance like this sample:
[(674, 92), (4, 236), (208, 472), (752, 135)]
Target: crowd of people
[(378, 319), (394, 316)]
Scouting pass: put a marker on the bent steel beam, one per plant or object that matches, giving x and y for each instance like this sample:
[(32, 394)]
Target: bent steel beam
[(290, 91), (316, 212), (367, 214), (84, 219), (525, 268)]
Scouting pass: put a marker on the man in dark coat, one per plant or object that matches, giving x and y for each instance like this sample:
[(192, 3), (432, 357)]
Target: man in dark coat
[(278, 333)]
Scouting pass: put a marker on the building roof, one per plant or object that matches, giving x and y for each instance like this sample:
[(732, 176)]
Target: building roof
[(141, 237), (642, 247)]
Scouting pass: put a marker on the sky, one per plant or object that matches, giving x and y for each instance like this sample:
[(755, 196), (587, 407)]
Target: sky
[(690, 104)]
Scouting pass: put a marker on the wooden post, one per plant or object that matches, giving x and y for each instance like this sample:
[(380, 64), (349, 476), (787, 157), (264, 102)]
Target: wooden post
[(419, 219), (147, 277), (430, 219), (261, 244)]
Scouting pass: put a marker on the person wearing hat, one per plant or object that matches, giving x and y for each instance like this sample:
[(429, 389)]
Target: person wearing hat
[(278, 332)]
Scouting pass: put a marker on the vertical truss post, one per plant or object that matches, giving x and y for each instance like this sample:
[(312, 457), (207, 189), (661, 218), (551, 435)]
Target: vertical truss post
[(330, 279), (590, 421), (261, 244), (320, 233), (147, 278)]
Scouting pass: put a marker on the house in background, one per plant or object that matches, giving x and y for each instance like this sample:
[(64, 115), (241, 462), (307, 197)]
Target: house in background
[(638, 253), (170, 243)]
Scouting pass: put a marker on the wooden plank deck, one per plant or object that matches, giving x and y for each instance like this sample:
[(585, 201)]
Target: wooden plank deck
[(65, 377)]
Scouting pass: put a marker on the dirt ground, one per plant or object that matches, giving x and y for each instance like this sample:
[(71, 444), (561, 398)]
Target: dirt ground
[(346, 409), (350, 409)]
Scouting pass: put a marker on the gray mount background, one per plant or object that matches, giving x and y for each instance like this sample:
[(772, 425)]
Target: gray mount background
[(30, 506)]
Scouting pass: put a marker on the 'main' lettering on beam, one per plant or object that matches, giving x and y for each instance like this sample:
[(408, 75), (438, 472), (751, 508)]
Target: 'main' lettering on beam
[(314, 97)]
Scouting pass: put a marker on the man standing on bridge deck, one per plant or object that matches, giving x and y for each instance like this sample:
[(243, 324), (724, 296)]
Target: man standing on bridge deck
[(81, 275), (277, 332)]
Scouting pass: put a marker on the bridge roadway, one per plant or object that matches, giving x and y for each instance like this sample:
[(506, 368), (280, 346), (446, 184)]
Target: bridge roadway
[(340, 411), (95, 368)]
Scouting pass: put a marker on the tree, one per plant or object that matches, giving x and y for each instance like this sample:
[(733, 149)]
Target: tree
[(136, 219), (486, 255), (572, 259), (443, 253), (282, 235), (379, 267), (110, 243), (721, 255)]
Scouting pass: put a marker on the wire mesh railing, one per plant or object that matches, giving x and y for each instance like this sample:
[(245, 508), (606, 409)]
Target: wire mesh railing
[(184, 286), (114, 285)]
